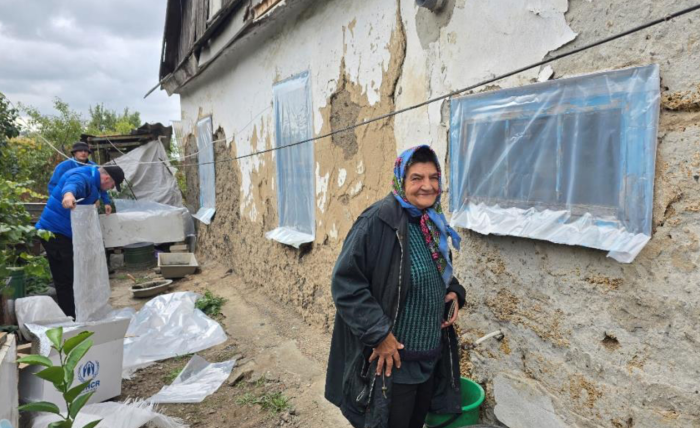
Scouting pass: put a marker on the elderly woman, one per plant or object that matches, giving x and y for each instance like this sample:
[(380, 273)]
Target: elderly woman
[(394, 352)]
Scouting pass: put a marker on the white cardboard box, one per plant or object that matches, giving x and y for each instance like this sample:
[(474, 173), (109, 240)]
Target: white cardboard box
[(102, 364), (9, 381)]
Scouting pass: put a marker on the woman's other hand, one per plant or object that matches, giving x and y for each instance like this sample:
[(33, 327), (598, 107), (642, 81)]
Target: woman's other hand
[(451, 297), (388, 354)]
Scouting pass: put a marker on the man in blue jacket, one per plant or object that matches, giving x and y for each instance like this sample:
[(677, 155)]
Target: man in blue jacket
[(79, 186), (80, 151)]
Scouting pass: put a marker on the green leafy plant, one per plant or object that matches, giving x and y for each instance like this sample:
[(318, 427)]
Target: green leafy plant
[(210, 303), (170, 377), (70, 352), (17, 233)]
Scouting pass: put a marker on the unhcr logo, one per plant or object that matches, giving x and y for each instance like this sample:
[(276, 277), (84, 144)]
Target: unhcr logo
[(88, 372)]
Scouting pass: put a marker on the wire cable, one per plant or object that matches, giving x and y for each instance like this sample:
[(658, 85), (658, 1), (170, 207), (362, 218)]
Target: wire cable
[(366, 122)]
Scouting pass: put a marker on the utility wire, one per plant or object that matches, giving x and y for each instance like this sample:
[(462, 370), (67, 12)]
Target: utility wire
[(365, 122), (468, 88)]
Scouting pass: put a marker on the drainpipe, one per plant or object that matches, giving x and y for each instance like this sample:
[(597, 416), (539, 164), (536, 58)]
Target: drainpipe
[(432, 5)]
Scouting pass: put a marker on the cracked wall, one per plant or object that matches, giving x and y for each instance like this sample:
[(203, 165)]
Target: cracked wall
[(605, 344), (596, 342)]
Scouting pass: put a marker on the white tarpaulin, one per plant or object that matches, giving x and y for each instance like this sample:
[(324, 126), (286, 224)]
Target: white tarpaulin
[(90, 275), (150, 175), (167, 326), (130, 414), (207, 171), (197, 380)]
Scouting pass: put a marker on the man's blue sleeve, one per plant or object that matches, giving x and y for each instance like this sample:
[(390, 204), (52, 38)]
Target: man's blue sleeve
[(105, 197)]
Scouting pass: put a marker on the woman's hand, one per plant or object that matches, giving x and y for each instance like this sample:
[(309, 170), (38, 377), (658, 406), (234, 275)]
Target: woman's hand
[(451, 297), (388, 354)]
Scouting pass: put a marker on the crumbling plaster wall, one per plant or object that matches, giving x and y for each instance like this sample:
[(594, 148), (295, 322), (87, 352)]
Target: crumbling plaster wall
[(598, 342)]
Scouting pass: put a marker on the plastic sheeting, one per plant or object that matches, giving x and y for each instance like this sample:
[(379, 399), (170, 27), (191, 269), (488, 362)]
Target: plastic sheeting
[(150, 175), (130, 414), (569, 161), (167, 326), (295, 165), (207, 171), (30, 310), (90, 274), (145, 221), (198, 380)]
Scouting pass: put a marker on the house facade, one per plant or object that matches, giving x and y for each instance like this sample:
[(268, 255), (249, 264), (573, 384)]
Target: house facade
[(597, 331)]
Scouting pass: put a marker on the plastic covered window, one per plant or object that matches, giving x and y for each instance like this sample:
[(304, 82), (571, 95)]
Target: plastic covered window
[(295, 165), (569, 161), (207, 171)]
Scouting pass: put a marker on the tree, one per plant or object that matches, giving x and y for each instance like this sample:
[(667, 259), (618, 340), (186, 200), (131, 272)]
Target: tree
[(104, 121), (62, 130)]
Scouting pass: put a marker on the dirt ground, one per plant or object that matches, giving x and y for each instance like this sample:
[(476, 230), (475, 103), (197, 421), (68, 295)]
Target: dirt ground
[(284, 357)]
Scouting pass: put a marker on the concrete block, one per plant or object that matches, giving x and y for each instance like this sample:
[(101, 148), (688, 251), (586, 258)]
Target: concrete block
[(522, 403)]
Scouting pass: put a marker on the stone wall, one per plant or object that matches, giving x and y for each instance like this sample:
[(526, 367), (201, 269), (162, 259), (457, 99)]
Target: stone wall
[(588, 341)]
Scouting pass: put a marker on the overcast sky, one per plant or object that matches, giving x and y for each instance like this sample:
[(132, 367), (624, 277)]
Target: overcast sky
[(85, 52)]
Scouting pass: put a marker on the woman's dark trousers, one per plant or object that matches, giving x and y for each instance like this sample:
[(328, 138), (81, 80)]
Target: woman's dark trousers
[(59, 251)]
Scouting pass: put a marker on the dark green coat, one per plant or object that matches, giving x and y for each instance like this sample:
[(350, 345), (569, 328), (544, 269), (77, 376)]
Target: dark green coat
[(372, 271)]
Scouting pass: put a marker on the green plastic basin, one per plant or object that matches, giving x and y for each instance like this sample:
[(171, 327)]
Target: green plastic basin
[(472, 398)]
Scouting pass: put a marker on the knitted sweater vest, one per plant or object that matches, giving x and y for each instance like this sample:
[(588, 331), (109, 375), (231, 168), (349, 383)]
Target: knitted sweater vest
[(418, 326)]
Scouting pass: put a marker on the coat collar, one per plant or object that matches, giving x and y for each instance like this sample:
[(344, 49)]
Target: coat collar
[(391, 212)]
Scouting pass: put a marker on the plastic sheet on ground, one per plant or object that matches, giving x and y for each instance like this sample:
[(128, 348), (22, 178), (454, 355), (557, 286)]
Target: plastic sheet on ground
[(90, 276), (130, 414), (569, 161), (30, 310), (207, 171), (145, 221), (197, 380), (167, 326), (149, 174), (296, 198)]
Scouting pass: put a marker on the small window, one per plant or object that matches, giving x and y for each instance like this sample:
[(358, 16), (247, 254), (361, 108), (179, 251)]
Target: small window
[(295, 164), (569, 161), (207, 171)]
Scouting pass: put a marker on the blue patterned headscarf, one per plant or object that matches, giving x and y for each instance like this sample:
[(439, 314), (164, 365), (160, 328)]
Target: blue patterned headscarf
[(432, 220)]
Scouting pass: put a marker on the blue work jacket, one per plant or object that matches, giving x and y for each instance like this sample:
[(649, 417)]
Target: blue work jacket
[(66, 166), (83, 183)]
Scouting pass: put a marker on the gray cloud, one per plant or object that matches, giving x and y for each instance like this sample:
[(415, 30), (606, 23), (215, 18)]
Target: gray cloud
[(85, 52)]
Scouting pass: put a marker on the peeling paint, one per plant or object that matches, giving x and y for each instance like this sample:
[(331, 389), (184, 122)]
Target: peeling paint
[(321, 188), (342, 175)]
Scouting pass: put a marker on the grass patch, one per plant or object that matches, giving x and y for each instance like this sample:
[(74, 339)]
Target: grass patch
[(121, 276), (182, 357), (170, 377), (247, 399), (210, 303), (274, 402)]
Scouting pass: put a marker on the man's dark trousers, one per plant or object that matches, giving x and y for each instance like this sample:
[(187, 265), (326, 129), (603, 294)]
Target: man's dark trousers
[(59, 251)]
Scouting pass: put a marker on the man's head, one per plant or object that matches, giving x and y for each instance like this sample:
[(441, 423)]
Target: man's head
[(80, 151), (422, 179), (111, 176)]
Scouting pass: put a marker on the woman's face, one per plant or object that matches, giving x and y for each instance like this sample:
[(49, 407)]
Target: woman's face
[(422, 184)]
